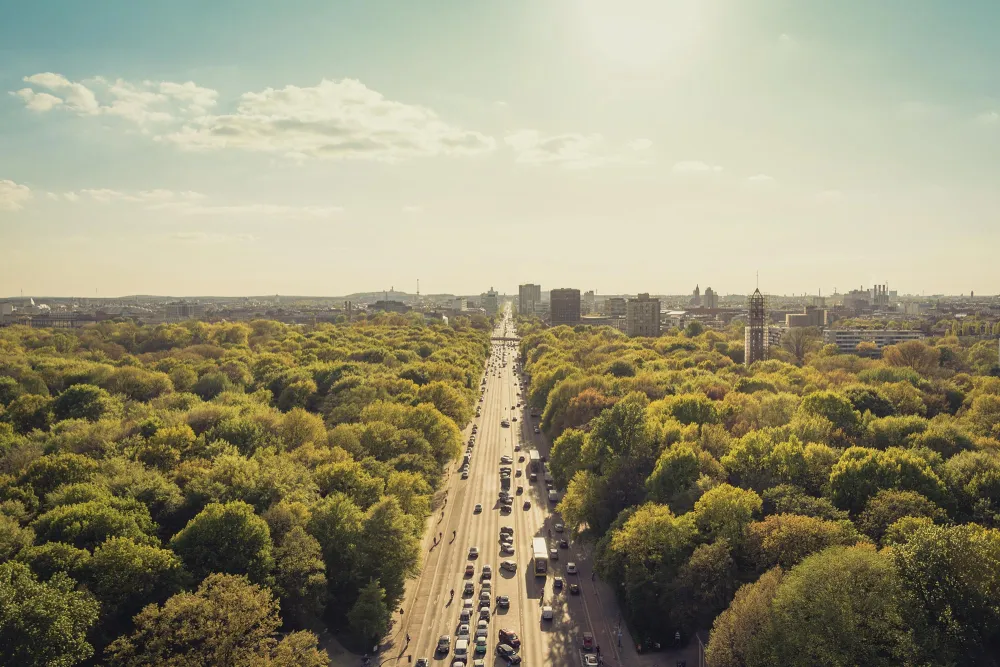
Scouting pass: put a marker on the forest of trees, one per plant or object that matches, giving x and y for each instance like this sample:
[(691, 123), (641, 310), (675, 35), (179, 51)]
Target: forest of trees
[(207, 494), (815, 509)]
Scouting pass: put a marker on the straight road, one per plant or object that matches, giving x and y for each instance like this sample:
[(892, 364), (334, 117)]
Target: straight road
[(429, 610)]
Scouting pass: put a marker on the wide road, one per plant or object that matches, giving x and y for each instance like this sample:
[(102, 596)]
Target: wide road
[(428, 610)]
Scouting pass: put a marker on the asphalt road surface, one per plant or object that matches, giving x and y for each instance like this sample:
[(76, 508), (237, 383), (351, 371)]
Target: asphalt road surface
[(428, 610)]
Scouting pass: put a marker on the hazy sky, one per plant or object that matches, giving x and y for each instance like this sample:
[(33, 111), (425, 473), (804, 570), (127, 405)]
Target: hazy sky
[(325, 147)]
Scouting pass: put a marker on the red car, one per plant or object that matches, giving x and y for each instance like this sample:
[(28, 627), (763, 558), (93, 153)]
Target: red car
[(588, 641), (510, 637)]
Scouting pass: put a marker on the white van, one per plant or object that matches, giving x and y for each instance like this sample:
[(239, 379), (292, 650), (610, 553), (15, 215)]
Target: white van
[(461, 648)]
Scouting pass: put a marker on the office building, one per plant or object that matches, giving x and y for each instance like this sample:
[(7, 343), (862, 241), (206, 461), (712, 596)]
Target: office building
[(809, 317), (564, 306), (642, 316), (183, 311), (491, 302), (587, 307), (847, 340), (527, 297), (616, 307), (711, 299)]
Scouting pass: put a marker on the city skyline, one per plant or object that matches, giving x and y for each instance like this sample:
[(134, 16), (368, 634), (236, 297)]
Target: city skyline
[(231, 150)]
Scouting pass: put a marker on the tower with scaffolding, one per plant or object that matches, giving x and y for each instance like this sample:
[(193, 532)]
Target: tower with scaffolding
[(755, 335)]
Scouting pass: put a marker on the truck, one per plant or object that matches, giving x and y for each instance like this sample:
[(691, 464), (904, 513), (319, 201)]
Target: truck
[(534, 461), (541, 556)]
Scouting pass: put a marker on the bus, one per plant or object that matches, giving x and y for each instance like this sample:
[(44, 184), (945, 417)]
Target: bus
[(541, 556), (534, 461)]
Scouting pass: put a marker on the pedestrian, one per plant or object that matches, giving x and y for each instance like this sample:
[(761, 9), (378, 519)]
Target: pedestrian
[(593, 576)]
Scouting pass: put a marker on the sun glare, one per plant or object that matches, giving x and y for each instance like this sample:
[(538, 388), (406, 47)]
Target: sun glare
[(641, 33)]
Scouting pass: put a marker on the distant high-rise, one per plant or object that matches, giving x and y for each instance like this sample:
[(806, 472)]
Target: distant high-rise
[(491, 302), (588, 303), (756, 340), (528, 296), (616, 307), (564, 306), (711, 299), (642, 316), (696, 296)]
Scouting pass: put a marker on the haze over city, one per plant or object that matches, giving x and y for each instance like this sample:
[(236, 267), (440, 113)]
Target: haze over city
[(323, 148)]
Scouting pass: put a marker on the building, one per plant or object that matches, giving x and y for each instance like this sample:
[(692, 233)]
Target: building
[(528, 296), (564, 306), (491, 302), (604, 321), (755, 338), (642, 316), (616, 307), (711, 299), (676, 318), (810, 317), (880, 297), (459, 304), (588, 306), (390, 306), (696, 296), (847, 340), (857, 300), (184, 311)]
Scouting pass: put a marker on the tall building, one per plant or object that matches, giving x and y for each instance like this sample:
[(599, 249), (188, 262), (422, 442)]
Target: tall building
[(527, 297), (880, 297), (564, 306), (642, 316), (696, 296), (616, 307), (756, 340), (588, 303), (491, 302), (810, 317), (711, 298)]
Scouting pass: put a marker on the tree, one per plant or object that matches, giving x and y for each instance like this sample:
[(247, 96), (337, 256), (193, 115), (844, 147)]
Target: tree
[(800, 341), (840, 606), (82, 401), (28, 412), (388, 548), (912, 354), (300, 576), (124, 576), (335, 522), (889, 506), (87, 524), (369, 617), (737, 639), (13, 538), (51, 558), (227, 622), (951, 575), (704, 587), (786, 539), (863, 472), (43, 624), (725, 512), (564, 459), (834, 407), (226, 538), (675, 473), (210, 385), (47, 473)]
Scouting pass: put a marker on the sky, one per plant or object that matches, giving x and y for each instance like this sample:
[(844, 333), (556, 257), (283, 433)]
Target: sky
[(323, 148)]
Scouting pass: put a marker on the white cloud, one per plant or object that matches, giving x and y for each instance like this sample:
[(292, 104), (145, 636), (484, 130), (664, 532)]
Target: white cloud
[(989, 118), (158, 196), (640, 144), (75, 96), (198, 99), (334, 119), (760, 179), (190, 203), (571, 150), (13, 195), (37, 101), (695, 167), (71, 196)]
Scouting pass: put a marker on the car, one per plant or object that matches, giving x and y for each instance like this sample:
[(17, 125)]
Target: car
[(480, 645), (559, 527), (520, 459), (465, 615), (487, 572), (467, 604), (574, 588), (484, 613), (504, 423), (532, 477), (571, 568), (563, 544), (506, 539), (506, 530), (422, 662), (537, 430), (463, 631), (590, 660), (470, 570), (546, 613), (506, 460), (587, 641), (473, 552), (444, 644), (553, 554), (517, 473), (508, 565), (517, 448), (503, 601), (505, 509), (465, 474), (506, 549), (485, 601), (513, 419), (478, 662), (520, 489), (527, 505), (509, 653), (486, 586), (557, 582), (477, 509), (509, 637), (469, 588)]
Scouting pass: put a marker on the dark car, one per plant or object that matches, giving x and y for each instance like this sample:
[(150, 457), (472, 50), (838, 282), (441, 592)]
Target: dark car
[(563, 544), (509, 653), (574, 589)]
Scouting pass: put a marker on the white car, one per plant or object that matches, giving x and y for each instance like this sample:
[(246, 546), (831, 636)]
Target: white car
[(590, 660), (546, 613), (559, 527), (570, 568)]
